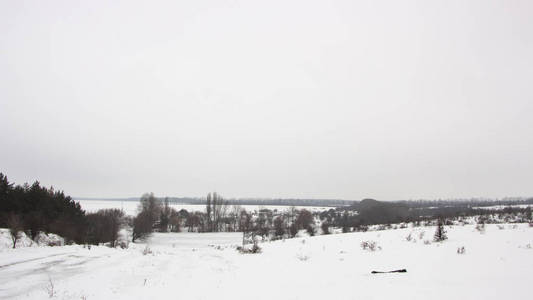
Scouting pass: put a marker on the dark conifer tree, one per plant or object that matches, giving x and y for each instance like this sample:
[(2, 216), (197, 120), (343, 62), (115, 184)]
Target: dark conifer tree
[(440, 232)]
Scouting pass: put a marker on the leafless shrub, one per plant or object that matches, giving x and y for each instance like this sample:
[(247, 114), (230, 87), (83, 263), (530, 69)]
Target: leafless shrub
[(147, 250), (15, 226), (302, 257), (427, 242), (421, 235), (254, 250), (370, 246), (500, 227), (461, 250), (123, 244), (409, 237), (480, 227)]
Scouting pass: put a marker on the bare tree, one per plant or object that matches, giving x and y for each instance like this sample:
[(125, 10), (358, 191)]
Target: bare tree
[(208, 211), (305, 219), (245, 225), (214, 222), (235, 214), (150, 204), (15, 226), (279, 227), (174, 221), (104, 225), (325, 227), (220, 211), (142, 225)]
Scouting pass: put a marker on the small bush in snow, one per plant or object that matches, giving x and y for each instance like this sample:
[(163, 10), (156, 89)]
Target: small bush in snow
[(123, 244), (427, 242), (147, 250), (370, 246), (421, 235), (302, 257), (461, 250), (480, 227), (255, 249), (500, 227), (409, 237)]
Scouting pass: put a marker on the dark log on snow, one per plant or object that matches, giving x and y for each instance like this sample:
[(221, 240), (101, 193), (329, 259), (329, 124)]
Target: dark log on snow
[(395, 271)]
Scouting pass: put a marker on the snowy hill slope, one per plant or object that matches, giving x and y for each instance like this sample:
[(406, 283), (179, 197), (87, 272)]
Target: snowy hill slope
[(496, 265)]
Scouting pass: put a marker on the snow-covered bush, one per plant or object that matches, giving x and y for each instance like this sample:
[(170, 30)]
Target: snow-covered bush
[(302, 257), (147, 250), (480, 227), (49, 239), (370, 246), (244, 250)]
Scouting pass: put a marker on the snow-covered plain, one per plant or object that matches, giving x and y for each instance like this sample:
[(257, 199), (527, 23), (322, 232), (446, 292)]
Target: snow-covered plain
[(130, 207), (496, 265)]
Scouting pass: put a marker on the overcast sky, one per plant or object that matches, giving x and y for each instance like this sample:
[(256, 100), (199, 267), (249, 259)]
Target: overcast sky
[(315, 99)]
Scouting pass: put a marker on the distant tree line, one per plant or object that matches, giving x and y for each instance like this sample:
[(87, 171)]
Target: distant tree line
[(247, 201), (371, 212), (33, 209)]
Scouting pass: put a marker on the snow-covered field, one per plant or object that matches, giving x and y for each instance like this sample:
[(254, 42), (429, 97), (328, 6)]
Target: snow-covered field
[(497, 265), (130, 207)]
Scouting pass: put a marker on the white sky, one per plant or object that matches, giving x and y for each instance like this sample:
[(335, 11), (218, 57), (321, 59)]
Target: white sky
[(315, 99)]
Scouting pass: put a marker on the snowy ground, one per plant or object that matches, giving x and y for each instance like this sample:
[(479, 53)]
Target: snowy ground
[(496, 265)]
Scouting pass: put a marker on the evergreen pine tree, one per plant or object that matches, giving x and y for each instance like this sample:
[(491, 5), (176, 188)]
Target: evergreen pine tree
[(440, 232)]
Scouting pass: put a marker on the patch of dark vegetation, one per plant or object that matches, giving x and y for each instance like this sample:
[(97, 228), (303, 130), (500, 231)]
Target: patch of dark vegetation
[(34, 208)]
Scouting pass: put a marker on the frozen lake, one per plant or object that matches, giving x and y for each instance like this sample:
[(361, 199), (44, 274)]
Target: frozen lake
[(130, 207)]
